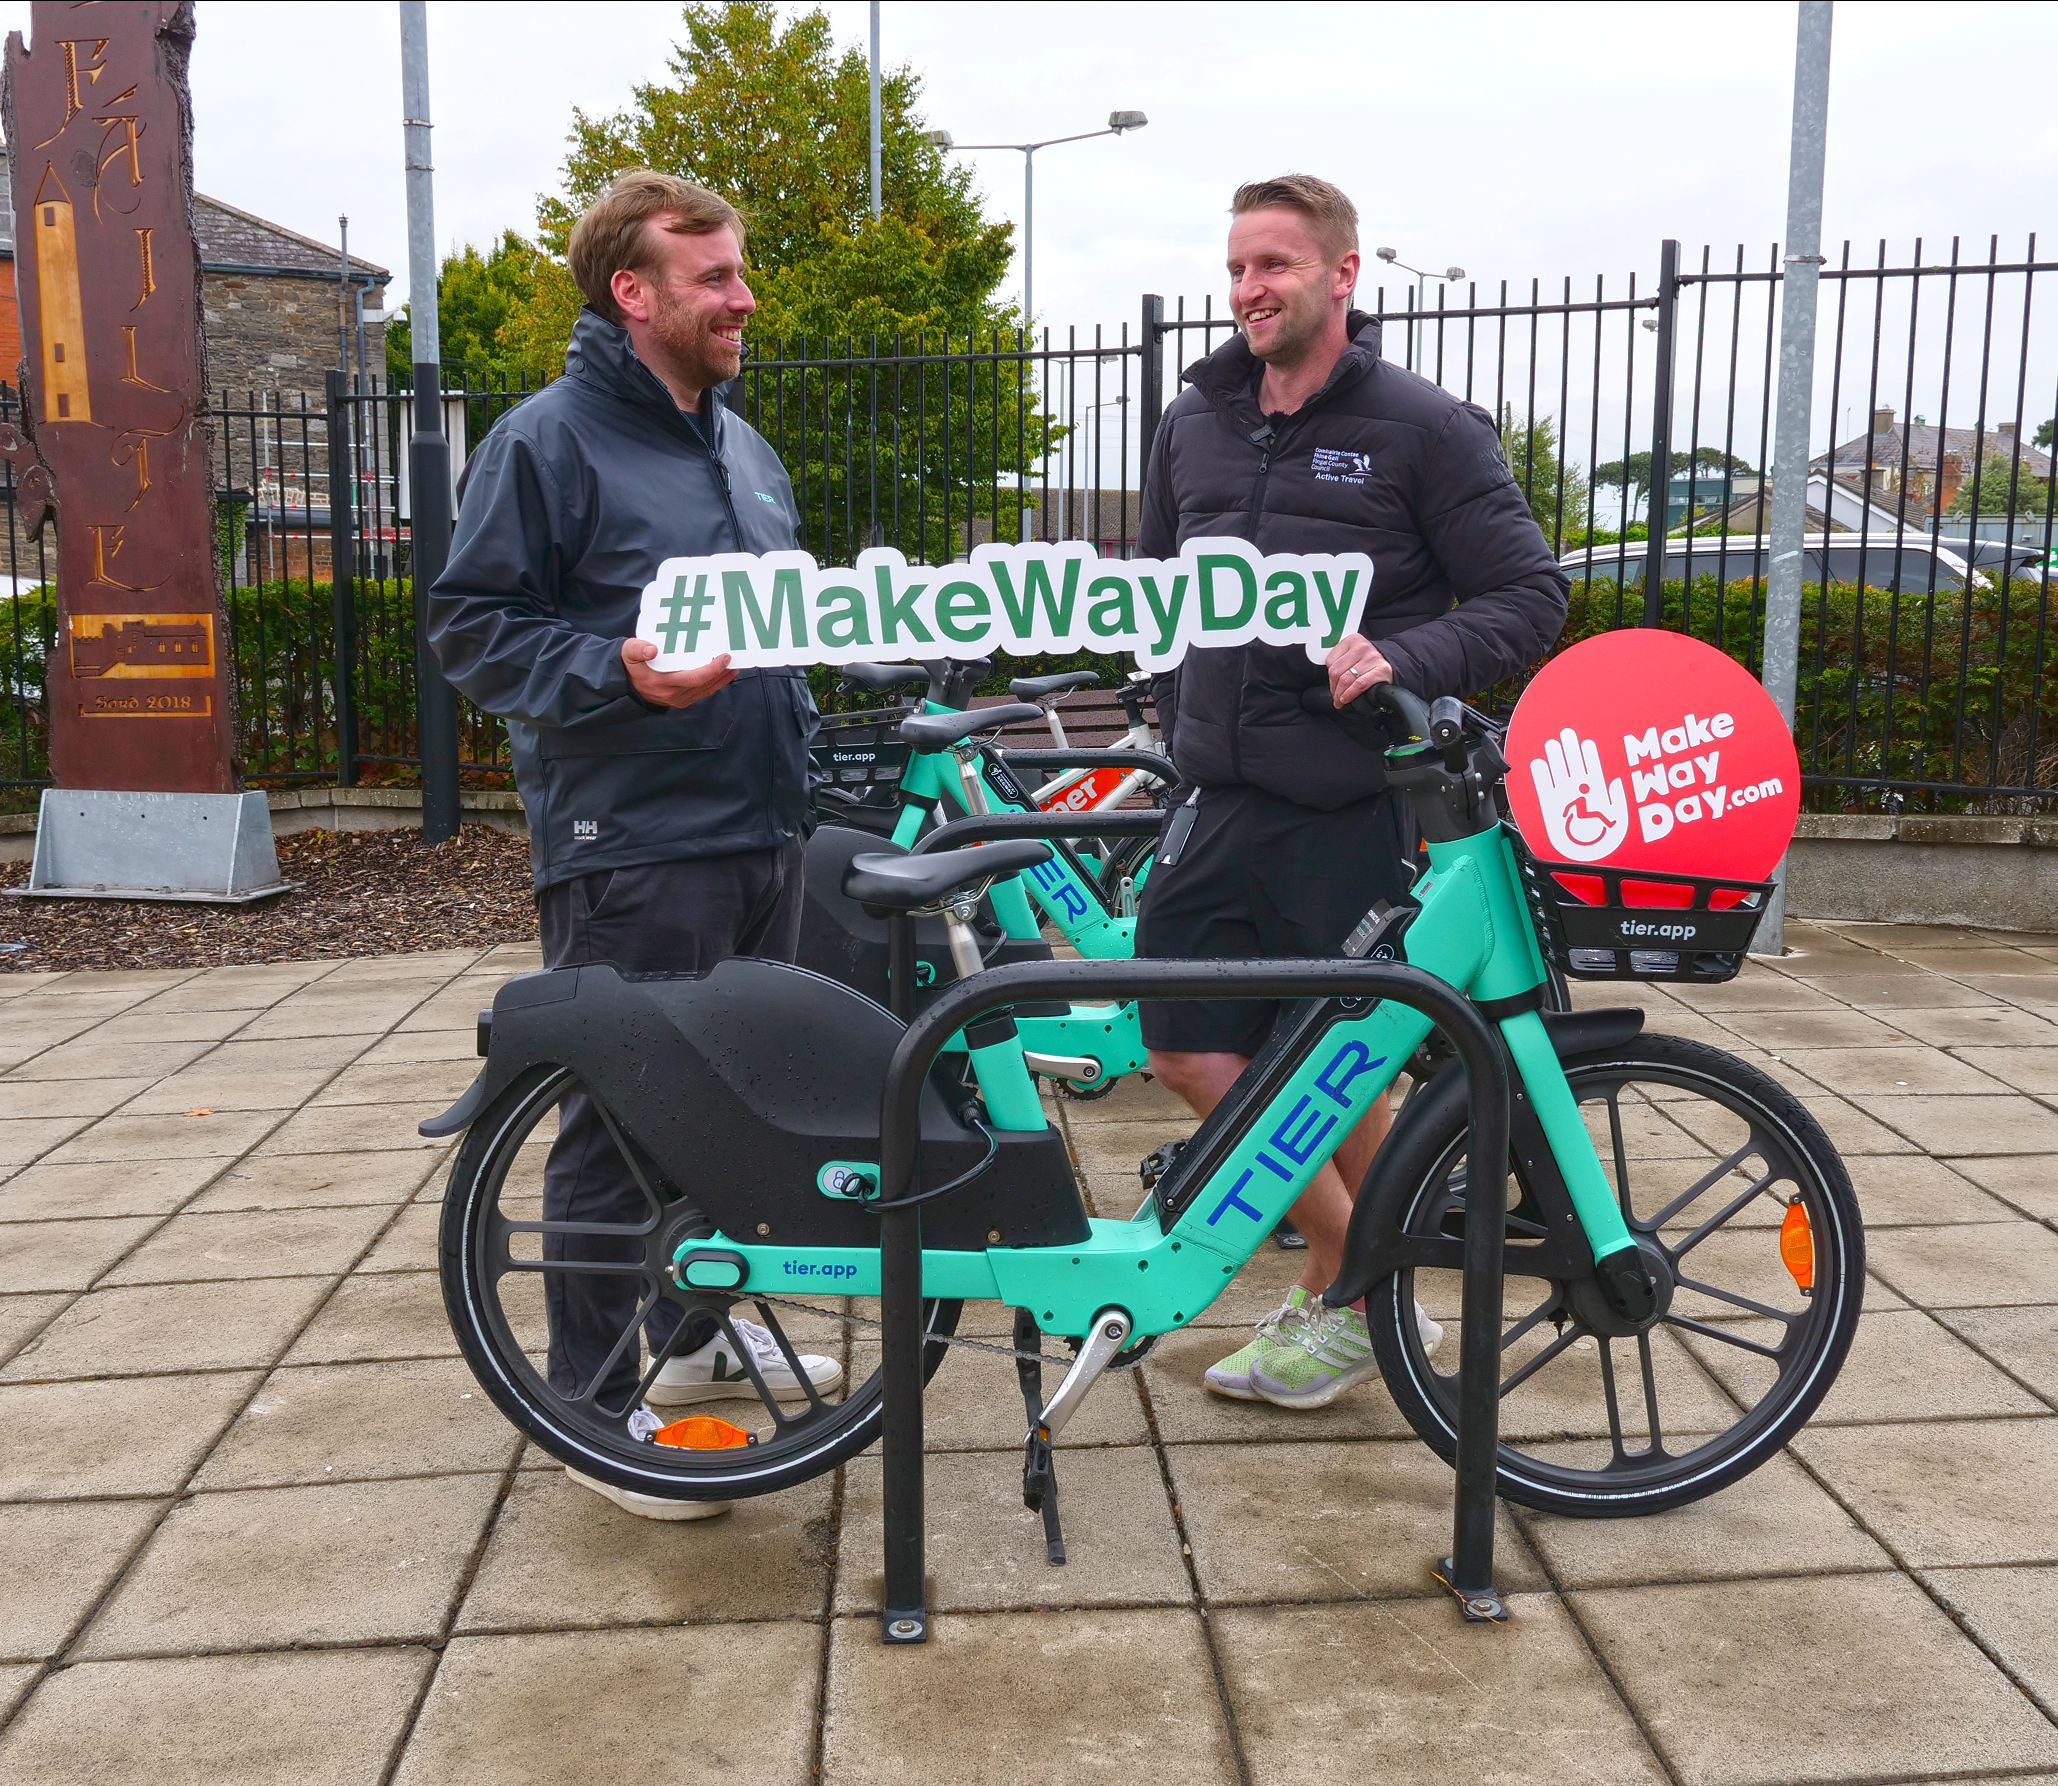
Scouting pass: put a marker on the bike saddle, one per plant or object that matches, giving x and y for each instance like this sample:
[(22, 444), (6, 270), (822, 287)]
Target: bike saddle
[(939, 731), (1037, 688), (881, 677), (911, 883)]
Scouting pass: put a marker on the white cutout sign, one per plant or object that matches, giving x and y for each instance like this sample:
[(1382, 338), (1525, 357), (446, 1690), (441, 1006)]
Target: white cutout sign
[(781, 608)]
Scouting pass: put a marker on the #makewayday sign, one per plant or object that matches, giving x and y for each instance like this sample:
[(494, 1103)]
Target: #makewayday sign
[(1647, 749), (781, 608)]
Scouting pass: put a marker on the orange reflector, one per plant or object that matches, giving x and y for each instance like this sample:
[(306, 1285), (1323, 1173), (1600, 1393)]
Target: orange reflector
[(1797, 1245), (701, 1432)]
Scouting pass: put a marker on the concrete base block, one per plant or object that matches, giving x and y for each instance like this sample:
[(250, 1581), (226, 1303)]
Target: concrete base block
[(1993, 884), (99, 843)]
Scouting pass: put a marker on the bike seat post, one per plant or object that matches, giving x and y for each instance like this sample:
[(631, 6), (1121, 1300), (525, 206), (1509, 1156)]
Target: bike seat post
[(964, 940), (966, 758), (1057, 726)]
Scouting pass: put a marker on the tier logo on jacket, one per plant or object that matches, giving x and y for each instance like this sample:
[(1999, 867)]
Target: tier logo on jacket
[(585, 830), (1334, 467)]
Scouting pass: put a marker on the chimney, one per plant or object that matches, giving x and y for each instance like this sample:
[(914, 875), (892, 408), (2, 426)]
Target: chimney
[(1882, 420), (2006, 430)]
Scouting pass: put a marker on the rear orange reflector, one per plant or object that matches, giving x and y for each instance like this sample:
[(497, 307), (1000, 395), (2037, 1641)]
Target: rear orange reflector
[(1797, 1245), (701, 1432)]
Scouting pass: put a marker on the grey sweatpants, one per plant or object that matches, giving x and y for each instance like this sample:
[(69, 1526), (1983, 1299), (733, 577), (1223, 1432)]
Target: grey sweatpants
[(662, 917)]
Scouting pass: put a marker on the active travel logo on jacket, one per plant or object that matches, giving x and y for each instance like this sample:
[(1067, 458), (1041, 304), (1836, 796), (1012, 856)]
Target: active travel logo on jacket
[(1646, 749), (781, 608)]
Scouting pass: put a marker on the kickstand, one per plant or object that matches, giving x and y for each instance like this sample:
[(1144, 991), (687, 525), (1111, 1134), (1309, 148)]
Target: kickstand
[(1039, 1464)]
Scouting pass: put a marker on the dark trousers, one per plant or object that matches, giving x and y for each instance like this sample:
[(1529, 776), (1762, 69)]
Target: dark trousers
[(658, 918)]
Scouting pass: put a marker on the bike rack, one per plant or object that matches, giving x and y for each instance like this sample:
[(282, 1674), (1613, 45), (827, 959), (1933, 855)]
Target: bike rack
[(1468, 1571), (984, 827)]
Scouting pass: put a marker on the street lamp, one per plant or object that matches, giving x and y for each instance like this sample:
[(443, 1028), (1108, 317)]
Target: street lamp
[(1118, 122), (1392, 258)]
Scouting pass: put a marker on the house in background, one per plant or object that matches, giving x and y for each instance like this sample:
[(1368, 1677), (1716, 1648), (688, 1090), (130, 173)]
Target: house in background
[(1938, 462)]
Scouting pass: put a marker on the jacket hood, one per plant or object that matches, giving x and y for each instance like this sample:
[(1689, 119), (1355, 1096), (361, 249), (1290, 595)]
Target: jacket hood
[(1228, 377), (600, 354)]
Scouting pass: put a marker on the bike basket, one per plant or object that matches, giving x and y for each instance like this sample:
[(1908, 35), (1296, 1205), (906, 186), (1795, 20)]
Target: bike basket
[(862, 751), (1601, 923)]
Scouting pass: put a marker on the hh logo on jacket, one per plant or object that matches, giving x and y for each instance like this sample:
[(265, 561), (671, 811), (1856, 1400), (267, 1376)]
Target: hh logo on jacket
[(1334, 467)]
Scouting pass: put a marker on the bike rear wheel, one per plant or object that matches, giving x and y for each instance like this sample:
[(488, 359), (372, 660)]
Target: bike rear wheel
[(495, 1275), (1709, 1159)]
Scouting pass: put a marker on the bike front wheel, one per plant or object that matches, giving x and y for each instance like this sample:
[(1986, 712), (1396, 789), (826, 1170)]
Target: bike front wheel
[(505, 1274), (1744, 1214)]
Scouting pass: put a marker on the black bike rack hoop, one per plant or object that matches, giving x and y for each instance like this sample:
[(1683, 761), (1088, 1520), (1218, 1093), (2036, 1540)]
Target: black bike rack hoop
[(1086, 756), (1469, 1570)]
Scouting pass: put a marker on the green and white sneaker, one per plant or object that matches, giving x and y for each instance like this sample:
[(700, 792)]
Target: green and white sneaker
[(1328, 1357), (1232, 1376), (715, 1373)]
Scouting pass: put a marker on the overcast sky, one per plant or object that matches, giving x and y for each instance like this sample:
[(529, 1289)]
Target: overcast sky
[(1516, 141)]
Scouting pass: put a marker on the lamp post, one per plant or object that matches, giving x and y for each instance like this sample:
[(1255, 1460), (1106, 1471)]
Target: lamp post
[(1118, 123), (1393, 259)]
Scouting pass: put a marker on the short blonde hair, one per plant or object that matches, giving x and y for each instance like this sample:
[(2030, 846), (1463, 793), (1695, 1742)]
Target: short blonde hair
[(1334, 217), (610, 237)]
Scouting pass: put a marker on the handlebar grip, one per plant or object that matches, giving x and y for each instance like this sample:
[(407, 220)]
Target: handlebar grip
[(1405, 706)]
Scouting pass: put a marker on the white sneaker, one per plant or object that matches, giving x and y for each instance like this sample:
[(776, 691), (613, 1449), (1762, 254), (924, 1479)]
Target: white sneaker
[(650, 1506), (1427, 1331), (715, 1373)]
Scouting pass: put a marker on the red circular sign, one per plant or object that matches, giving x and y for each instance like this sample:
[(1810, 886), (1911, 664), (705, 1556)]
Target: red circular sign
[(1647, 749)]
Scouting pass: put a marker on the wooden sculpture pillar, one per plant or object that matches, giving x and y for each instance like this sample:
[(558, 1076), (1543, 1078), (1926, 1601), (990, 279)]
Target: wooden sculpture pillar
[(114, 441)]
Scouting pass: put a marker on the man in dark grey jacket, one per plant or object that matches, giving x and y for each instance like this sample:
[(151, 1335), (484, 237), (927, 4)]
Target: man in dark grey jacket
[(1298, 437), (667, 811)]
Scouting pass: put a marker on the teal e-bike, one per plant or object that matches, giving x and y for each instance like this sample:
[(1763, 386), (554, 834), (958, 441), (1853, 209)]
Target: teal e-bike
[(1682, 1251)]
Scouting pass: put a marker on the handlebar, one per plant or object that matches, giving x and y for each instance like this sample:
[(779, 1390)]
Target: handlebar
[(1405, 706)]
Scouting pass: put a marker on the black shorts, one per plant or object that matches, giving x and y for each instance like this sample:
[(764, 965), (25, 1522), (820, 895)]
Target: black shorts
[(1262, 876)]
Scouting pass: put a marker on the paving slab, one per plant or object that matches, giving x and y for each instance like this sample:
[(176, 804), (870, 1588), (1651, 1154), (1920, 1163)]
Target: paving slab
[(2029, 1182), (2015, 1615), (1792, 1681), (299, 1054), (1782, 1031), (56, 1560), (88, 1059), (343, 1422), (396, 1314), (1402, 1690), (1974, 1026), (206, 1086), (194, 1133), (1883, 1071), (106, 1188), (65, 1255), (150, 1329), (561, 1556), (361, 1562), (252, 1243), (1138, 1702), (712, 1703), (24, 1316), (2032, 1070), (1968, 1126), (116, 1436), (330, 1718), (986, 1550), (1913, 1190), (1327, 1521), (399, 1082), (356, 1128), (411, 1243), (1942, 1494), (426, 1045), (306, 1014), (145, 1024), (2023, 1341), (67, 1097), (24, 1138), (1990, 1265), (315, 1181)]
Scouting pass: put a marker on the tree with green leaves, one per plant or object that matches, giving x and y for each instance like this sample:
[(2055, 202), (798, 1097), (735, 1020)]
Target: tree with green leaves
[(1555, 490), (476, 294), (2045, 433), (2006, 487), (772, 115)]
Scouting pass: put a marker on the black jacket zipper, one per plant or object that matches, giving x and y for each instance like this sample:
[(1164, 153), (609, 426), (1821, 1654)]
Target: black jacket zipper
[(1262, 438)]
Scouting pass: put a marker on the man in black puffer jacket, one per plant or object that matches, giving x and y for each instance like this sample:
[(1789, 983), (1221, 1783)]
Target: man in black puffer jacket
[(1297, 437)]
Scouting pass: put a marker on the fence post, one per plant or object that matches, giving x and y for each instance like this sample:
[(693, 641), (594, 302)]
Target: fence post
[(1152, 396), (342, 580), (1658, 505)]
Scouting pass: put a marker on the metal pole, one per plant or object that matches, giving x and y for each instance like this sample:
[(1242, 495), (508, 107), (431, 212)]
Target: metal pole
[(343, 295), (342, 578), (428, 451), (875, 108), (1658, 504), (1152, 379), (1802, 271), (1029, 237)]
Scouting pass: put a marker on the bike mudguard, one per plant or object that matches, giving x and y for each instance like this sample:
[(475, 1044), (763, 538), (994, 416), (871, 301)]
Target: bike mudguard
[(840, 942), (1374, 1246), (739, 1089)]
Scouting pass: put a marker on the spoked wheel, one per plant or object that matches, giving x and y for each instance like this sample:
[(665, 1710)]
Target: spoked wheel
[(1745, 1217), (503, 1265)]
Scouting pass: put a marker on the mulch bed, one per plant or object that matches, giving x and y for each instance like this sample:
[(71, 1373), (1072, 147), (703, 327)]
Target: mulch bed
[(364, 893)]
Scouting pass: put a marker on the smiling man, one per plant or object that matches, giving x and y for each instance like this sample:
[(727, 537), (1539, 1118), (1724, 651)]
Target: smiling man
[(1298, 437), (666, 810)]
